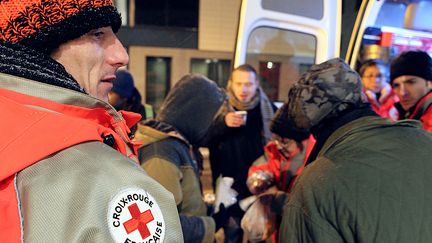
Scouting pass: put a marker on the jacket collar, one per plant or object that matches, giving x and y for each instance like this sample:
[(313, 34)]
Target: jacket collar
[(55, 93), (75, 104), (150, 132), (362, 124), (417, 110)]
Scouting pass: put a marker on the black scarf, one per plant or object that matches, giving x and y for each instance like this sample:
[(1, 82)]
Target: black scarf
[(21, 61), (326, 128)]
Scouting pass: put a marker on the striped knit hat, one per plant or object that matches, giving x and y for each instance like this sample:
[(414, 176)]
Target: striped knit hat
[(43, 25)]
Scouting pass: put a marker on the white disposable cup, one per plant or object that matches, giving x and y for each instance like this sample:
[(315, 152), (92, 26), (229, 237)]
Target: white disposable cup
[(243, 114)]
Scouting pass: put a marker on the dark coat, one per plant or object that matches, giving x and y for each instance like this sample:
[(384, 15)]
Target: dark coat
[(183, 120), (233, 150), (370, 183)]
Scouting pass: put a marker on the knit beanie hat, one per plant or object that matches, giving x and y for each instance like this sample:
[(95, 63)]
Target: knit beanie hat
[(323, 92), (123, 84), (285, 128), (45, 24), (415, 63)]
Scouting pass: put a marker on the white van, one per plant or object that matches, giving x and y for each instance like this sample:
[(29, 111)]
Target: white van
[(283, 38)]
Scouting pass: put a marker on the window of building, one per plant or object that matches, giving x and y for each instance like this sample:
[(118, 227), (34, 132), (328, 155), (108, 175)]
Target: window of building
[(158, 74), (217, 70), (172, 13)]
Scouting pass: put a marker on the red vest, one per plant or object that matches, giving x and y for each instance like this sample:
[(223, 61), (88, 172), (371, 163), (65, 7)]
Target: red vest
[(30, 133)]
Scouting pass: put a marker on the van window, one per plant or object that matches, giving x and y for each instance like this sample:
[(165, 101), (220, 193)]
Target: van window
[(280, 57), (391, 14), (401, 25), (307, 8)]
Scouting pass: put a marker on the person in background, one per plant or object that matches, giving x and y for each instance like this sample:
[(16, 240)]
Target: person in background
[(283, 161), (124, 96), (377, 89), (168, 155), (411, 79), (358, 187), (236, 140), (69, 172)]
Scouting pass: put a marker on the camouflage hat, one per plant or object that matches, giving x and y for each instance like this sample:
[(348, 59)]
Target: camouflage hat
[(323, 92)]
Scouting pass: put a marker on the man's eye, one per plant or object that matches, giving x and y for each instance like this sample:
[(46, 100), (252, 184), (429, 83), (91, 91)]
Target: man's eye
[(98, 34)]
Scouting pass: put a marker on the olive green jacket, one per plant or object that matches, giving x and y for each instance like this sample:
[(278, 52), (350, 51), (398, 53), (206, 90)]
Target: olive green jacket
[(371, 182)]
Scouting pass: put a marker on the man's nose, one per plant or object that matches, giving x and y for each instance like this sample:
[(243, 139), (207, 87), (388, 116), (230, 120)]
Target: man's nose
[(117, 54), (402, 90)]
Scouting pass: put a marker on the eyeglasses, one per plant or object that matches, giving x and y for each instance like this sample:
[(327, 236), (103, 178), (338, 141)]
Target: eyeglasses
[(379, 76)]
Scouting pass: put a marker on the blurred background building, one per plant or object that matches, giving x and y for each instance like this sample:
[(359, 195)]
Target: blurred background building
[(167, 39)]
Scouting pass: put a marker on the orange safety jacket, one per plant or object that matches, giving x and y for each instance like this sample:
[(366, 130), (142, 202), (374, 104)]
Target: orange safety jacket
[(32, 128)]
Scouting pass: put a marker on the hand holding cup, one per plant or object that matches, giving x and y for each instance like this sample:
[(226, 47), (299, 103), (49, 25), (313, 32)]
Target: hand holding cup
[(236, 119)]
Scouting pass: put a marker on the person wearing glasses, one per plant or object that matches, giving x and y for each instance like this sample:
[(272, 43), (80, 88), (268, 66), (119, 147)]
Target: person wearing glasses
[(377, 89)]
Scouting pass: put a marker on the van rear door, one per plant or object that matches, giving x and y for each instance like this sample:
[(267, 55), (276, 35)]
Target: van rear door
[(283, 38)]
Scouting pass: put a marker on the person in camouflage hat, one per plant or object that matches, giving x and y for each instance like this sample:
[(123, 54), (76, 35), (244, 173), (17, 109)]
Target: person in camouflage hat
[(353, 189), (323, 92)]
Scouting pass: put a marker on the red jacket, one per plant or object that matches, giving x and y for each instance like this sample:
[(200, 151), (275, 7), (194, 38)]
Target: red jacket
[(423, 112), (284, 170), (384, 106), (23, 127), (279, 166)]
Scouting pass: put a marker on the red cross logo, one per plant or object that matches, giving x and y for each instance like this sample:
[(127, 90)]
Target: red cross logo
[(138, 221)]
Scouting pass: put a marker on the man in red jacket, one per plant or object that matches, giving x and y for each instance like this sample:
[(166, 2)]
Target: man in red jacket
[(411, 79), (69, 170)]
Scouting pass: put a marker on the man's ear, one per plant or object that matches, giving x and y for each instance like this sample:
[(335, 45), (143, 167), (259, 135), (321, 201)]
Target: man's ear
[(429, 83)]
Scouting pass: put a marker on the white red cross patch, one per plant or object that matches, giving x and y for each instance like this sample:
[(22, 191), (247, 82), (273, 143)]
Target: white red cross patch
[(134, 216)]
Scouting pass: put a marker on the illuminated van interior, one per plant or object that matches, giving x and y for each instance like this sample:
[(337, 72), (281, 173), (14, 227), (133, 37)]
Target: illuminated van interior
[(385, 29), (398, 26)]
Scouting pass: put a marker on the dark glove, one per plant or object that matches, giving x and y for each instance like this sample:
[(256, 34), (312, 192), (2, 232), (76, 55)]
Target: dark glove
[(221, 217), (275, 200)]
